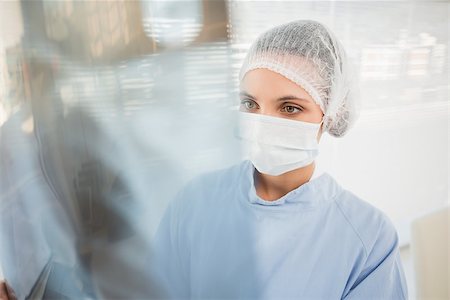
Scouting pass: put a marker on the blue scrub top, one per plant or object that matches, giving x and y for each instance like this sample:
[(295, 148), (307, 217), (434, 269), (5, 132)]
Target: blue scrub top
[(218, 239)]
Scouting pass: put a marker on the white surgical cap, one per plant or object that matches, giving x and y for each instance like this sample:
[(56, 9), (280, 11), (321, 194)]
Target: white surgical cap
[(307, 53)]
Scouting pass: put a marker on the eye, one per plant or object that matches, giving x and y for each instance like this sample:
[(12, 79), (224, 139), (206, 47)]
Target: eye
[(290, 109), (248, 104)]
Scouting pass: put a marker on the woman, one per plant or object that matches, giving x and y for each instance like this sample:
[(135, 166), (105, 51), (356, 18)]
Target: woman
[(275, 226)]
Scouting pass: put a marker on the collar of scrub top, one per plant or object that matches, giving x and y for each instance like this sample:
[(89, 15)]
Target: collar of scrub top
[(295, 196)]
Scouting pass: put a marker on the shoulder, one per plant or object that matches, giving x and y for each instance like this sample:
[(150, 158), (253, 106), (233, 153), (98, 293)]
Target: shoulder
[(217, 180), (209, 187), (372, 226), (219, 177)]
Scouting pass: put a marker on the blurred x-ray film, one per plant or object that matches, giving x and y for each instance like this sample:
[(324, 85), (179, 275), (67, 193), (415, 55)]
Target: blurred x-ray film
[(107, 108)]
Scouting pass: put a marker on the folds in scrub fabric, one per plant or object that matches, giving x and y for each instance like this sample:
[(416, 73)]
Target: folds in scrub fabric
[(218, 239)]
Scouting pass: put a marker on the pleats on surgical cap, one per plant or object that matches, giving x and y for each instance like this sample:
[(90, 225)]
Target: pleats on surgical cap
[(307, 53)]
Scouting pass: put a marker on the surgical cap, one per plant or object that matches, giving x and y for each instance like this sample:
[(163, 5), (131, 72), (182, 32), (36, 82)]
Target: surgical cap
[(307, 53)]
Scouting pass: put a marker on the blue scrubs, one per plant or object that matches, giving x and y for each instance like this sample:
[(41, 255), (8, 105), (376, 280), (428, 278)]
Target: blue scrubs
[(218, 239)]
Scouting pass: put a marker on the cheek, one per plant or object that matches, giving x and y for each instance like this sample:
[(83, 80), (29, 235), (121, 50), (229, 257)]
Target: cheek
[(310, 115), (316, 114)]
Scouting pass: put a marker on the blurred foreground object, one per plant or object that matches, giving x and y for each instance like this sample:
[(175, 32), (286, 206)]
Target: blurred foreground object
[(87, 103), (430, 249), (6, 292)]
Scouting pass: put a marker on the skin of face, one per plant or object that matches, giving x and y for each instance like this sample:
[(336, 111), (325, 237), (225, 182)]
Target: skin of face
[(263, 91), (266, 92)]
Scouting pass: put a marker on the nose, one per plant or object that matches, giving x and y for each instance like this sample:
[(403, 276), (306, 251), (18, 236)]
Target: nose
[(263, 110)]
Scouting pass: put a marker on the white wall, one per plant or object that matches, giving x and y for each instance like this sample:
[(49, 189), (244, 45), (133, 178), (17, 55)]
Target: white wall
[(396, 159)]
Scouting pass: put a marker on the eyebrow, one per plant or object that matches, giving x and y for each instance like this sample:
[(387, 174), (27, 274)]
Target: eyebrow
[(284, 98)]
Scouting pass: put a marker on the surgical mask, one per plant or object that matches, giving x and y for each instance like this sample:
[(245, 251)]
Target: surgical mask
[(277, 145)]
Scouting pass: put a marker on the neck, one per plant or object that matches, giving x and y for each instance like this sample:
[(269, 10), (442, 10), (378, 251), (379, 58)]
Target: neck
[(271, 188)]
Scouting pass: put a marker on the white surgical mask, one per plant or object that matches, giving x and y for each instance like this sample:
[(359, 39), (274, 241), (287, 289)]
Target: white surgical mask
[(277, 145)]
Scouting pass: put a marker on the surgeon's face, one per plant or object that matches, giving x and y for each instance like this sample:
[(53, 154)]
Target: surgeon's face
[(265, 92)]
